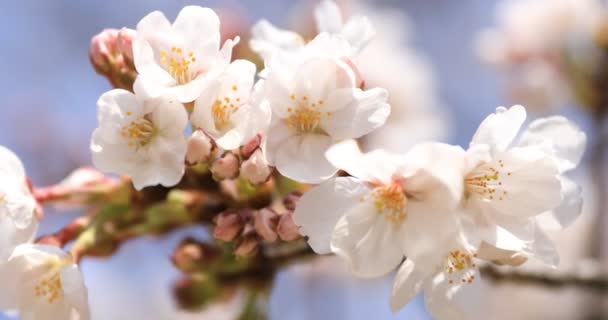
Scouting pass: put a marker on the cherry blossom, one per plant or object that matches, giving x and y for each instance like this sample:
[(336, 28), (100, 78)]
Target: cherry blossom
[(179, 58), (140, 138), (42, 282)]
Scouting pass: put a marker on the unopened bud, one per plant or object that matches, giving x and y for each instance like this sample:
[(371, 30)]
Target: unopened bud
[(124, 43), (227, 226), (291, 200), (109, 60), (103, 50), (256, 169), (192, 255), (226, 167), (265, 223), (359, 82), (287, 229), (199, 148), (251, 146), (248, 247)]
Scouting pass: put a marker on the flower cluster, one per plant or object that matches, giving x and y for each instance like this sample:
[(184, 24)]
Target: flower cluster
[(39, 281), (211, 130), (446, 210)]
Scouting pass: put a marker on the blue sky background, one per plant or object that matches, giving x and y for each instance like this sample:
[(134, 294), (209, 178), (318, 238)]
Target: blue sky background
[(47, 111)]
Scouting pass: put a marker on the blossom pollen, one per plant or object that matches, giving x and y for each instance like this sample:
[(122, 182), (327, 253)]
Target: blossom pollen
[(138, 132), (460, 266), (390, 201), (485, 181), (305, 116), (223, 108), (50, 287), (178, 64)]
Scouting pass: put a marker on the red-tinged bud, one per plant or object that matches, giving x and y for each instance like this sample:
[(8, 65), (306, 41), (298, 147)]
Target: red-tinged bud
[(226, 167), (291, 199), (265, 224), (256, 169), (248, 247), (251, 146), (124, 43), (103, 50), (228, 226), (287, 229), (199, 148)]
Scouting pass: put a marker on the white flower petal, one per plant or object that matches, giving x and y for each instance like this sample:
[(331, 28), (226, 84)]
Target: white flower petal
[(153, 28), (199, 27), (319, 209), (328, 17), (266, 39), (526, 184), (569, 209), (408, 283), (75, 291), (543, 249), (11, 166), (170, 117), (249, 121), (374, 166), (561, 136), (499, 129), (359, 31), (279, 134), (301, 158), (365, 112), (318, 78), (153, 81), (366, 240)]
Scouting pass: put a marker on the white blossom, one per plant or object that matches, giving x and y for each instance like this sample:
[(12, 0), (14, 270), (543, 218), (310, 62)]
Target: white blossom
[(18, 223), (391, 207), (140, 138), (225, 110), (41, 282), (267, 39), (315, 103), (179, 58), (510, 184)]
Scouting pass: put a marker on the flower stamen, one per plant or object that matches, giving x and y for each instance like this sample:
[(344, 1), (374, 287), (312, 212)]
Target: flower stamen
[(138, 132), (178, 64), (305, 116)]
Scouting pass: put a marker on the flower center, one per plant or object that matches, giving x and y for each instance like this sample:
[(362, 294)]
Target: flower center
[(224, 107), (139, 132), (486, 181), (306, 115), (50, 287), (461, 265), (390, 201), (178, 64)]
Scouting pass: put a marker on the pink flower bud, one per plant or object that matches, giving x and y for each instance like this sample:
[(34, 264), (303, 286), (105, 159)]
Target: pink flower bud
[(359, 82), (228, 225), (287, 229), (251, 146), (124, 43), (291, 199), (265, 223), (225, 168), (247, 248), (103, 50), (256, 169), (199, 148)]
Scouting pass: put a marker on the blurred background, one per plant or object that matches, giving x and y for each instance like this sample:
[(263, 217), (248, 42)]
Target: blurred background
[(447, 63)]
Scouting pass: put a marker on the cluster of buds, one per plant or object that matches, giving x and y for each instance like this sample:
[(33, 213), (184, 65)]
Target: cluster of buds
[(248, 161), (248, 228), (111, 54)]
